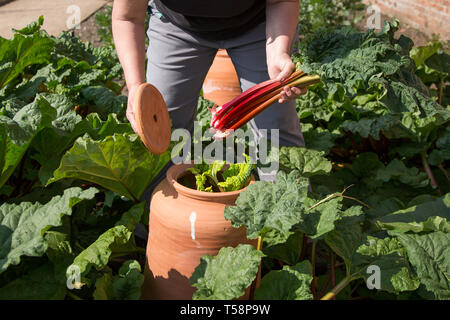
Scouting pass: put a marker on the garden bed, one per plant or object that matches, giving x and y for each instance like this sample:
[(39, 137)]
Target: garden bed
[(369, 194)]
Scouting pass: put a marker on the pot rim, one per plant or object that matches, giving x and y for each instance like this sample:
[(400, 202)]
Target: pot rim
[(175, 171)]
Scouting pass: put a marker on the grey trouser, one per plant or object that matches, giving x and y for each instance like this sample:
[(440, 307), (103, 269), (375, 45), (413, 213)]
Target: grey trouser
[(178, 62)]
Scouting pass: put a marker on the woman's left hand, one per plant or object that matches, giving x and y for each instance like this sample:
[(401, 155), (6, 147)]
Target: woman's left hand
[(280, 67)]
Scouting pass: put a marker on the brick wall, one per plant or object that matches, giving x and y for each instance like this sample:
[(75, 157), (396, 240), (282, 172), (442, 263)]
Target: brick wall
[(429, 16)]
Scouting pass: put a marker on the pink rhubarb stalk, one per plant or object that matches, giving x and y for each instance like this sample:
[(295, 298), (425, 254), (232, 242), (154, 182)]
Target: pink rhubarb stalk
[(247, 105)]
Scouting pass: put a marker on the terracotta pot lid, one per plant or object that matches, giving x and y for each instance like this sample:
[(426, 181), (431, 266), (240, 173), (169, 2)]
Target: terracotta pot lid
[(152, 118)]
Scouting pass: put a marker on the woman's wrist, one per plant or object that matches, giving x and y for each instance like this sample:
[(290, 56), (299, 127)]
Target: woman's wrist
[(134, 84), (282, 19)]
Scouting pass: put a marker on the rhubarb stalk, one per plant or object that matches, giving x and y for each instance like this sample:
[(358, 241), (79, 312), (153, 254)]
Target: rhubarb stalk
[(301, 83), (247, 105), (335, 291)]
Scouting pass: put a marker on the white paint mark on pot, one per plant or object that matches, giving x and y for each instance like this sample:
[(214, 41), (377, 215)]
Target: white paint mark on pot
[(192, 218), (209, 87)]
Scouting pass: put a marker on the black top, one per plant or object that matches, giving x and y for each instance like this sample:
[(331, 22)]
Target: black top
[(214, 19)]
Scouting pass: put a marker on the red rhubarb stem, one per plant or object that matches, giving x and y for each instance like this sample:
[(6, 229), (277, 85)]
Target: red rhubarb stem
[(248, 96), (301, 83)]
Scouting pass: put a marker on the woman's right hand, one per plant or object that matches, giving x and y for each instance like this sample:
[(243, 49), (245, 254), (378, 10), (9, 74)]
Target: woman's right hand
[(130, 107)]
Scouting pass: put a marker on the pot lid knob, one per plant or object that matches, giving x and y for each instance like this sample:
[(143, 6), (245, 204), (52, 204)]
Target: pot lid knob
[(152, 118)]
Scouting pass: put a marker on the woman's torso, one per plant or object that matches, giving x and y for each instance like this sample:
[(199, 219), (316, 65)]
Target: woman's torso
[(213, 19)]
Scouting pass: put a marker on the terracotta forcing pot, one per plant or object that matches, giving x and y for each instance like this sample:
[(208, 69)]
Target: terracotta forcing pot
[(184, 225), (221, 84)]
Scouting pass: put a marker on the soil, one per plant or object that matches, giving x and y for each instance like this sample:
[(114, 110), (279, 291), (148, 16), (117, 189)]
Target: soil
[(88, 28)]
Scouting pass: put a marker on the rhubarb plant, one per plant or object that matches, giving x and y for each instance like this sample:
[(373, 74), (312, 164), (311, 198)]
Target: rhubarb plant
[(60, 99), (369, 190), (366, 201), (217, 177)]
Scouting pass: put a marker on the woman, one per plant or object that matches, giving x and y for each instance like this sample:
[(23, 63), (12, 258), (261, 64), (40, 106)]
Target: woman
[(184, 38)]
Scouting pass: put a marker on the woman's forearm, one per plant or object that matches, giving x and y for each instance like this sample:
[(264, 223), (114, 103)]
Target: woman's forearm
[(128, 26), (281, 23)]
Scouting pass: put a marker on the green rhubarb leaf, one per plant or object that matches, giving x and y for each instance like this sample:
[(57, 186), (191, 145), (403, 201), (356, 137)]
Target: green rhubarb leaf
[(200, 182), (319, 139), (206, 173), (352, 56), (320, 217), (104, 101), (42, 194), (442, 151), (423, 53), (24, 225), (376, 73), (118, 241), (236, 176), (397, 170), (50, 157), (283, 207), (100, 129), (203, 114), (374, 174), (387, 199), (20, 52), (362, 252), (132, 217), (68, 77), (25, 90), (316, 103), (38, 284), (430, 256), (31, 27), (10, 155), (19, 126), (390, 257), (290, 283), (66, 45), (266, 206), (345, 239), (226, 275), (66, 127), (107, 60), (409, 149), (420, 114), (334, 182), (428, 216), (216, 167), (66, 119), (437, 157), (307, 162), (125, 286), (103, 287), (119, 163), (277, 246), (366, 165), (439, 62), (59, 250), (373, 126), (23, 124), (423, 198)]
